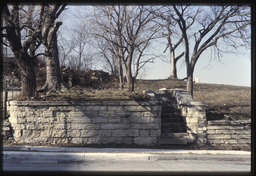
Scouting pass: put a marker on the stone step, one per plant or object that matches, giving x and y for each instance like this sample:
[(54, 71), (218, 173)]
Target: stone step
[(171, 115), (173, 119), (172, 141), (174, 130), (171, 110), (170, 103), (174, 124), (173, 135)]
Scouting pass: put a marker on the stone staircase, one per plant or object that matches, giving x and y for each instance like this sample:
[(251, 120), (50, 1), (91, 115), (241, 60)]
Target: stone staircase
[(173, 126)]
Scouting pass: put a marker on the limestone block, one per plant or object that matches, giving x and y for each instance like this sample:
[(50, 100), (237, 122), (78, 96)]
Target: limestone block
[(156, 108), (78, 114), (27, 133), (241, 136), (31, 126), (99, 120), (80, 120), (134, 119), (111, 126), (47, 114), (122, 113), (218, 127), (155, 133), (145, 126), (85, 126), (74, 133), (145, 140), (218, 141), (231, 141), (126, 120), (114, 120), (115, 108), (105, 133), (144, 133), (236, 127), (117, 140), (151, 114), (202, 128), (155, 120), (244, 141), (247, 127), (136, 114), (107, 113), (55, 141), (76, 140), (17, 134), (96, 108), (219, 136), (137, 108), (18, 126), (90, 133), (92, 140), (62, 126), (21, 120), (123, 133), (59, 133), (245, 121), (13, 119), (192, 120)]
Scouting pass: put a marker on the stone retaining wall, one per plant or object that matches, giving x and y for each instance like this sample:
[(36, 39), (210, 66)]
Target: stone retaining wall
[(95, 122), (194, 115), (232, 133), (6, 130)]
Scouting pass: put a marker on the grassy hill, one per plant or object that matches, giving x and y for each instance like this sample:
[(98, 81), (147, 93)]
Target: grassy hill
[(223, 101)]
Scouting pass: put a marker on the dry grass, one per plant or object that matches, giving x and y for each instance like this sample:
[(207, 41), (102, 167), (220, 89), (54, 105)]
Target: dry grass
[(223, 101)]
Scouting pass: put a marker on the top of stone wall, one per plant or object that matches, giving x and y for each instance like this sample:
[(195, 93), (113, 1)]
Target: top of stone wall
[(184, 98), (83, 103)]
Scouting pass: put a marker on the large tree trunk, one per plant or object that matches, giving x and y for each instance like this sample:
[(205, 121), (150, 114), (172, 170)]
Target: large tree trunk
[(190, 86), (130, 81), (120, 74), (53, 81), (28, 76), (173, 65)]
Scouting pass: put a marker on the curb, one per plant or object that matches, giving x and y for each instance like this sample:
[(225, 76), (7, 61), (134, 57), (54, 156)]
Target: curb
[(124, 150)]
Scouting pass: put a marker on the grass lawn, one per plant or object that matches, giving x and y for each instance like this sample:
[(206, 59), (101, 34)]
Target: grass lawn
[(223, 101)]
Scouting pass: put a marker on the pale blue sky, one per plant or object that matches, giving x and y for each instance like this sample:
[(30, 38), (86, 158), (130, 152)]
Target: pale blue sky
[(232, 69)]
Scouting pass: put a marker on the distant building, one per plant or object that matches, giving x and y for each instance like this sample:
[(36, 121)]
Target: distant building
[(196, 80)]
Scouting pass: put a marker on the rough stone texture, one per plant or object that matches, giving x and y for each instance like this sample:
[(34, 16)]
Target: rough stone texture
[(96, 122), (195, 115), (7, 131), (229, 133)]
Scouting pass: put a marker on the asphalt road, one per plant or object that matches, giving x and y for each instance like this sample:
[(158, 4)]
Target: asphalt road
[(125, 162)]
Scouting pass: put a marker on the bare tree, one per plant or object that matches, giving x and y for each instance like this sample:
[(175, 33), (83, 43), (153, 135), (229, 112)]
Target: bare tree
[(23, 40), (227, 24), (48, 15), (130, 31), (109, 57), (173, 36)]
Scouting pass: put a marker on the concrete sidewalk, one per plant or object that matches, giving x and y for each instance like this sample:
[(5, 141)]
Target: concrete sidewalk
[(123, 159), (124, 150)]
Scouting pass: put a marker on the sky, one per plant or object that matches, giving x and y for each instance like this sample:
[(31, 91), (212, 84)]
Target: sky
[(231, 69)]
